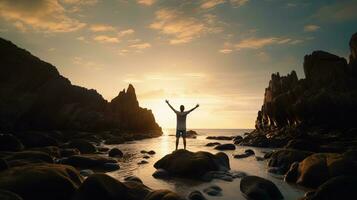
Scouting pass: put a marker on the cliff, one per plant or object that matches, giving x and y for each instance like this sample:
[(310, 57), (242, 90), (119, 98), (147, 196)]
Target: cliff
[(34, 96), (319, 108)]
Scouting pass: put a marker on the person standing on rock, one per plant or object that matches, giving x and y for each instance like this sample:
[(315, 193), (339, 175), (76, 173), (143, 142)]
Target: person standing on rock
[(181, 122)]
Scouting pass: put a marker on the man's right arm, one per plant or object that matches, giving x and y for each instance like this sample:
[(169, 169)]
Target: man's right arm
[(171, 106)]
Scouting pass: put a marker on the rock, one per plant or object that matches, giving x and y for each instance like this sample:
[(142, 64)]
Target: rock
[(146, 157), (304, 145), (211, 144), (151, 152), (258, 188), (318, 168), (284, 158), (143, 162), (115, 152), (340, 187), (163, 195), (114, 140), (143, 151), (133, 178), (86, 172), (103, 149), (161, 174), (213, 190), (110, 166), (27, 157), (191, 134), (258, 158), (7, 195), (196, 195), (238, 139), (225, 147), (53, 151), (33, 139), (192, 164), (9, 142), (83, 146), (220, 137), (69, 152), (41, 181), (91, 162)]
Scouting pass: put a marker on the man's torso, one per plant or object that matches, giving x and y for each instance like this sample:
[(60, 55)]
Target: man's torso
[(181, 121)]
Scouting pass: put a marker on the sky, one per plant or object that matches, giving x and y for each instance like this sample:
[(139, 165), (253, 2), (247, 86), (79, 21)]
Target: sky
[(218, 53)]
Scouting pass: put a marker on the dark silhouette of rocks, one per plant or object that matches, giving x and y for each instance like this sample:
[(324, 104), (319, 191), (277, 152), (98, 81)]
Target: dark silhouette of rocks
[(34, 96), (256, 188), (319, 109)]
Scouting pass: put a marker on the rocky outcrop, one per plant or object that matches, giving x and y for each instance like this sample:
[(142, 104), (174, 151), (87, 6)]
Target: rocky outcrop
[(319, 108), (34, 96), (188, 164)]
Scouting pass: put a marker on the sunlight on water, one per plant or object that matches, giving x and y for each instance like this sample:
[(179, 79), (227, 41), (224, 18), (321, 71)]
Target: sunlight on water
[(166, 144)]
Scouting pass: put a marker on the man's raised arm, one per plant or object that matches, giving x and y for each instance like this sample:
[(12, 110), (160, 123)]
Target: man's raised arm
[(193, 108), (171, 106)]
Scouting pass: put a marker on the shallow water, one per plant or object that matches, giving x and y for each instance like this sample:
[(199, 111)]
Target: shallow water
[(165, 144)]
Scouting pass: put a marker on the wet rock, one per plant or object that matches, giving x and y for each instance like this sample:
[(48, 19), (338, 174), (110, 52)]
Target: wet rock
[(91, 162), (103, 149), (86, 172), (192, 164), (238, 139), (142, 162), (220, 137), (213, 190), (161, 174), (69, 152), (151, 152), (257, 188), (246, 154), (115, 152), (211, 144), (41, 181), (337, 188), (304, 145), (7, 195), (191, 134), (133, 178), (146, 157), (225, 147), (9, 142), (83, 146), (143, 151), (238, 174), (196, 195), (318, 168), (284, 158)]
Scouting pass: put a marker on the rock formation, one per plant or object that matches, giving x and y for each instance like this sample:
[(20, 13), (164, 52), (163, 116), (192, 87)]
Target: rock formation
[(34, 96)]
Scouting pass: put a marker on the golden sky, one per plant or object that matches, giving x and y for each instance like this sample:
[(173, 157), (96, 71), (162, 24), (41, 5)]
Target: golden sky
[(218, 53)]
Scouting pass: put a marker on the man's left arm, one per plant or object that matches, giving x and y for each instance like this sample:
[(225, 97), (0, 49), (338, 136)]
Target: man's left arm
[(193, 108)]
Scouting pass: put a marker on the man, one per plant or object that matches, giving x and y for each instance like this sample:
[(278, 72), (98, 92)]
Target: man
[(181, 123)]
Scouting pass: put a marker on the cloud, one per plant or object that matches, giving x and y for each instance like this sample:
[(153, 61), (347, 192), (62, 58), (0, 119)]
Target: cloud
[(339, 11), (238, 3), (225, 51), (40, 15), (106, 39), (101, 28), (140, 46), (125, 32), (80, 61), (311, 28), (207, 4), (258, 43), (182, 28), (146, 2)]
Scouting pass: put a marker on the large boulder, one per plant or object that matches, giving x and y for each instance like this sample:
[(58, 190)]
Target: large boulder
[(27, 157), (53, 151), (41, 181), (91, 161), (301, 144), (192, 164), (257, 188), (82, 145), (115, 152), (9, 142), (318, 168), (191, 134), (282, 159), (337, 188)]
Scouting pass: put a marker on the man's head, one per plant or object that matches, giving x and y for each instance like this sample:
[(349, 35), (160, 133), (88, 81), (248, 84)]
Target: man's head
[(182, 108)]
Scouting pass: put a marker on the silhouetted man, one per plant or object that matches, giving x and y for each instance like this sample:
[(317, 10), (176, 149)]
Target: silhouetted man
[(181, 123)]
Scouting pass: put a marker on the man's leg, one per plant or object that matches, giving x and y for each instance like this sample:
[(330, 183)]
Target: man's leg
[(184, 139), (177, 138)]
